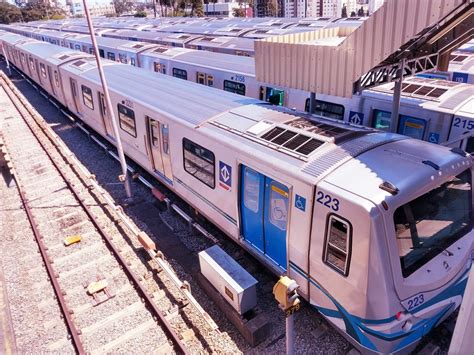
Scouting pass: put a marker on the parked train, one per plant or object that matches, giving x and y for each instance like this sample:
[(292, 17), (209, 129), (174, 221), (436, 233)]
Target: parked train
[(376, 228), (432, 110)]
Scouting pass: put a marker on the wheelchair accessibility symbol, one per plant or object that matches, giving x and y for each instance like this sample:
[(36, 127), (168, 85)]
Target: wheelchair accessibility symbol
[(300, 203)]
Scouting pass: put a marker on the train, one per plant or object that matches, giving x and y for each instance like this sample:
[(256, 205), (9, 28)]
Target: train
[(375, 227), (434, 110)]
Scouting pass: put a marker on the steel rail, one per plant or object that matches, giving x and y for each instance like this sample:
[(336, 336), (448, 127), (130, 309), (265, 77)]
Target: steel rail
[(146, 297)]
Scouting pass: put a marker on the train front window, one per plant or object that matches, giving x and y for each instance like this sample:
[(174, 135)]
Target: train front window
[(428, 225)]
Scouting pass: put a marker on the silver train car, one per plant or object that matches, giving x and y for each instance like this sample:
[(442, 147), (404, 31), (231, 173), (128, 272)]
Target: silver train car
[(434, 110), (376, 228)]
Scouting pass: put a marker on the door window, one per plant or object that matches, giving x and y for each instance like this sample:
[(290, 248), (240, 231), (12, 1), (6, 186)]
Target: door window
[(278, 207), (338, 243), (166, 139), (412, 127), (251, 190), (382, 120)]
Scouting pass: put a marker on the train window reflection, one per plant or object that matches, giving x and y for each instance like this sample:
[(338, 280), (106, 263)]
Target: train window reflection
[(251, 190), (382, 120), (278, 207), (127, 120), (87, 97), (431, 223), (199, 162)]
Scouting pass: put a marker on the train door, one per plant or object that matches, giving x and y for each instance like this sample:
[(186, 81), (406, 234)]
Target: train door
[(205, 79), (158, 142), (264, 214), (75, 95), (106, 120), (38, 72), (50, 75)]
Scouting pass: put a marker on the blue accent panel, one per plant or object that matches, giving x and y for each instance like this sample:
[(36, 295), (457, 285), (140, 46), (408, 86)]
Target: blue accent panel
[(356, 327), (252, 193), (276, 218)]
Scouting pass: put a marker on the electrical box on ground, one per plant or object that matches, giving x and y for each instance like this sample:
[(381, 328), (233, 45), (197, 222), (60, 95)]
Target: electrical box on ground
[(232, 281)]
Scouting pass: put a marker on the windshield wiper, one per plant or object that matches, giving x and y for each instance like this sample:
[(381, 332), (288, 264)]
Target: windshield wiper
[(434, 246)]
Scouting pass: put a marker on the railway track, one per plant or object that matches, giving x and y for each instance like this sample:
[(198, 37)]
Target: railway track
[(111, 294)]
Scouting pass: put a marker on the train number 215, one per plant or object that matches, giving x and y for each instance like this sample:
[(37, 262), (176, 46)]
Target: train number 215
[(327, 200)]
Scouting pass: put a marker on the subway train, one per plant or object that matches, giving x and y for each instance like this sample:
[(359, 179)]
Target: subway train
[(375, 227), (434, 110)]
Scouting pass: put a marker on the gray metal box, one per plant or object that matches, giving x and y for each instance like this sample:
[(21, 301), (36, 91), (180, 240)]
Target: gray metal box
[(232, 281)]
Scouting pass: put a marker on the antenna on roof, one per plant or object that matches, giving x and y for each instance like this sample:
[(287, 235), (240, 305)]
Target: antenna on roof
[(124, 177)]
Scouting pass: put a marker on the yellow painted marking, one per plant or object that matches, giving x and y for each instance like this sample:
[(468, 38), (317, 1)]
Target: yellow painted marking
[(413, 125), (279, 191), (72, 240), (96, 286)]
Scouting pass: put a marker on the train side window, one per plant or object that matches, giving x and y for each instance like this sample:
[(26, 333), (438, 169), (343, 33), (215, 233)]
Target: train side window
[(78, 47), (470, 145), (56, 78), (338, 243), (199, 162), (111, 56), (123, 58), (132, 61), (32, 64), (236, 88), (87, 97), (71, 46), (180, 73), (22, 55), (327, 109), (43, 70), (91, 50), (127, 120), (101, 53)]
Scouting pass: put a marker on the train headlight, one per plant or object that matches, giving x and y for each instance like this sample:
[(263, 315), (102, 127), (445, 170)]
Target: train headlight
[(407, 326)]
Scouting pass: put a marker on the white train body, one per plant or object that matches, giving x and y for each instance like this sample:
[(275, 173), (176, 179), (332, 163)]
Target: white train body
[(376, 228)]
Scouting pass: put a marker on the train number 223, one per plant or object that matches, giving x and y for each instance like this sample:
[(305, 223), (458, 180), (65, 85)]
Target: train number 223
[(416, 301), (328, 201)]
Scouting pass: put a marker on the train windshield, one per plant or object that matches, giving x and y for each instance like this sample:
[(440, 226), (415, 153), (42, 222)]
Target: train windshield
[(431, 223)]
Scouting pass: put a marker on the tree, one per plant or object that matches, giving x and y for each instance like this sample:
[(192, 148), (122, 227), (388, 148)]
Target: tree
[(140, 13), (344, 11), (353, 14), (9, 13), (360, 12), (123, 6), (36, 10), (238, 12)]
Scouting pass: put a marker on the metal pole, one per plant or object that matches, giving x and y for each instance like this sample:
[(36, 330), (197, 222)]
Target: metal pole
[(397, 92), (290, 335), (312, 102), (6, 59), (124, 177), (154, 7)]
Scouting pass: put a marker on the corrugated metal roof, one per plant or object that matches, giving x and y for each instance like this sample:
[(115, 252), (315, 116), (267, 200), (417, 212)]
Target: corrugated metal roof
[(287, 61)]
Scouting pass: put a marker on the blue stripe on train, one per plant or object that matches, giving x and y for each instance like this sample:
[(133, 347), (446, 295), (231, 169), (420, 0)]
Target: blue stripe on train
[(355, 326)]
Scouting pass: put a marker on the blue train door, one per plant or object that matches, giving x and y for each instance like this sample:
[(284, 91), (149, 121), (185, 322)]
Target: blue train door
[(264, 214)]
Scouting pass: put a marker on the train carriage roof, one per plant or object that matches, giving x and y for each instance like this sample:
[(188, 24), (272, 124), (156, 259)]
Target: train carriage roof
[(220, 61)]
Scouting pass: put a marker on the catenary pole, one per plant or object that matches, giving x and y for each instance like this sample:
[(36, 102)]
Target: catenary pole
[(125, 176)]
